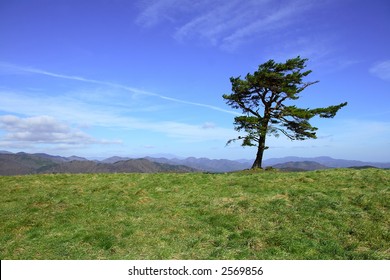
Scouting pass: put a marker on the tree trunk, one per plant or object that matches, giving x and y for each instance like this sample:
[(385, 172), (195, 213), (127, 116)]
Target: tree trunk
[(260, 151), (263, 134)]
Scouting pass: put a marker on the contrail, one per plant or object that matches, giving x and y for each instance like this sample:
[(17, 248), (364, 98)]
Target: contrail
[(131, 89)]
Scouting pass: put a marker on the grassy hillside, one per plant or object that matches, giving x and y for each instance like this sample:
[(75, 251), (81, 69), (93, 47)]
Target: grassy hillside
[(328, 214)]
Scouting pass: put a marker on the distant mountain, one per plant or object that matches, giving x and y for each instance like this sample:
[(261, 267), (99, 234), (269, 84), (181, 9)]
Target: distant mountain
[(23, 163), (289, 163), (326, 161), (300, 166), (53, 158), (46, 156), (127, 166), (205, 164), (71, 158), (114, 159)]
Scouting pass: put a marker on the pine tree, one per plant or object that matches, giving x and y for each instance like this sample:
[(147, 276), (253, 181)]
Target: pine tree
[(262, 96)]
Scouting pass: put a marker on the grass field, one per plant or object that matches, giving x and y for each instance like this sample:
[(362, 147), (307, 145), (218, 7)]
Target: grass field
[(329, 214)]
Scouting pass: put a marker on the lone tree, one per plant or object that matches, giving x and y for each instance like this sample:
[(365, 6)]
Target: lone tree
[(262, 97)]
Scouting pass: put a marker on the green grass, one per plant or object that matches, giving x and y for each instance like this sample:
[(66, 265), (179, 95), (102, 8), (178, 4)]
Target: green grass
[(329, 214)]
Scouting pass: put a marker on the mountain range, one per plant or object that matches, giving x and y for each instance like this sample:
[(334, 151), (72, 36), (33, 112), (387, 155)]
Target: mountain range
[(327, 161), (41, 163), (23, 163), (287, 163)]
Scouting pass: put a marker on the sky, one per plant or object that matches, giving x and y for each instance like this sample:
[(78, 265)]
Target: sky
[(98, 78)]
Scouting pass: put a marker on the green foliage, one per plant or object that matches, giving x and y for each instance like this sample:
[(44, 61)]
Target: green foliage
[(328, 214), (262, 96)]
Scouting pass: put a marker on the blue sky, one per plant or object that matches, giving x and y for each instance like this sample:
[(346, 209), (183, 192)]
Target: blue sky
[(146, 77)]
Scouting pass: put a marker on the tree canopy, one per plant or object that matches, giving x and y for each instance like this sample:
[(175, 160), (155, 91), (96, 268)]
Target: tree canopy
[(262, 98)]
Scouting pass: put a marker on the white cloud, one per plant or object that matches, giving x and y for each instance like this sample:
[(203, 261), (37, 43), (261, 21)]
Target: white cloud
[(77, 111), (381, 70), (41, 124), (42, 130)]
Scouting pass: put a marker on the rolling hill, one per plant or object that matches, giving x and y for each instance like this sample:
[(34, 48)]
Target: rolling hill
[(332, 214), (23, 163), (300, 166)]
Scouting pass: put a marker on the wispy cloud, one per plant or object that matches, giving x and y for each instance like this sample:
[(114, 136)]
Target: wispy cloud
[(154, 10), (213, 24), (381, 70), (113, 85), (264, 22), (226, 24)]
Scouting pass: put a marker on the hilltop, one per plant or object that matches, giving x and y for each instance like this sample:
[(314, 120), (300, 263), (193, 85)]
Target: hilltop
[(326, 214), (300, 166)]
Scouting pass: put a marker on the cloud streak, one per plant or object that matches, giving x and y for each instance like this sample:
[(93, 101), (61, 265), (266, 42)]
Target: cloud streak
[(114, 85), (226, 24), (381, 70)]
